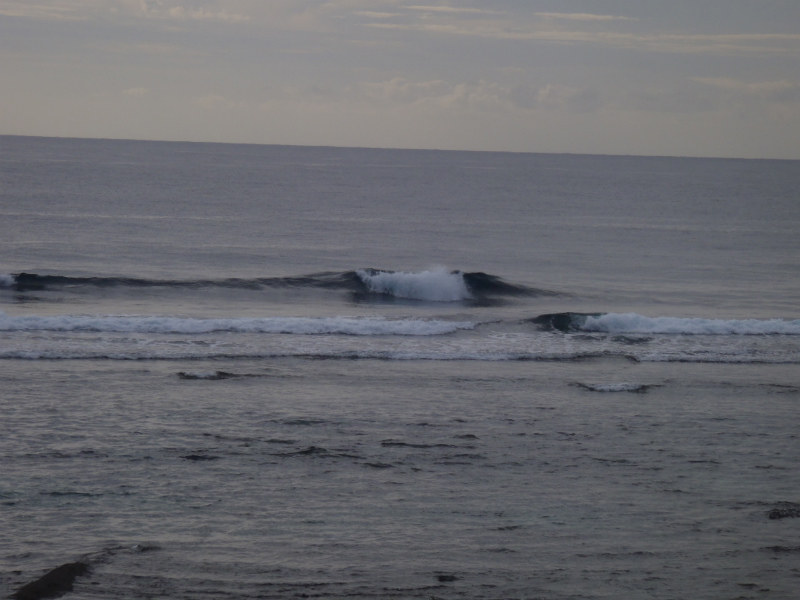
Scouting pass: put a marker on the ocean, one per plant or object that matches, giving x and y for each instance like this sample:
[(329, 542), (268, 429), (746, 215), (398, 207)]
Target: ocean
[(241, 371)]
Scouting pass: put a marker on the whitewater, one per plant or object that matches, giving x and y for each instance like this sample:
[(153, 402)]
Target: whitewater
[(236, 371)]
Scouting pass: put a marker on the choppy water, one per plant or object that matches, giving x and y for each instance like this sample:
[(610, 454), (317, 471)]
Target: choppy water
[(274, 372)]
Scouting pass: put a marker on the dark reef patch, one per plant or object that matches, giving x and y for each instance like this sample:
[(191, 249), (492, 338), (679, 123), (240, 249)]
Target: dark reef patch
[(52, 584)]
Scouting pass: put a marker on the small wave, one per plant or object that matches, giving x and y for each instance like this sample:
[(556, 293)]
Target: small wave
[(283, 325), (637, 388), (6, 280), (438, 285), (210, 375), (626, 323)]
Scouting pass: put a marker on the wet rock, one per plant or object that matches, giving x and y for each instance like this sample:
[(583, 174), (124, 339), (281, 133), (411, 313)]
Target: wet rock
[(52, 584)]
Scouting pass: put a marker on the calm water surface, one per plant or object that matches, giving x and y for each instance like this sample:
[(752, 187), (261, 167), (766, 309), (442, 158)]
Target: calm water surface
[(281, 372)]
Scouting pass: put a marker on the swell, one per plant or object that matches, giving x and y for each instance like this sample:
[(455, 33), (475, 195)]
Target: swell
[(438, 285), (24, 282)]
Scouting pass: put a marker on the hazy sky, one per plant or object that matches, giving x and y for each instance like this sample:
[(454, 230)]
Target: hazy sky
[(675, 77)]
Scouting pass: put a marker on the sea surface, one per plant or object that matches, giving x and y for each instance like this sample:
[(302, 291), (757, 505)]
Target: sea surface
[(239, 371)]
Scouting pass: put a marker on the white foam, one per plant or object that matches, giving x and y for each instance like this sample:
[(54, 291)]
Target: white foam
[(6, 280), (285, 325), (634, 323), (437, 285)]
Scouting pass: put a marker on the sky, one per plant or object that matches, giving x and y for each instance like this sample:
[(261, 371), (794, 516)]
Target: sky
[(642, 77)]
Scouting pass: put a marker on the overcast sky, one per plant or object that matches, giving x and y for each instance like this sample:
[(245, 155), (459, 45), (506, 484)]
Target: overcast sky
[(663, 77)]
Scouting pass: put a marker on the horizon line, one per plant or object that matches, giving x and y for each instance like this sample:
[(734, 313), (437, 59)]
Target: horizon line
[(390, 148)]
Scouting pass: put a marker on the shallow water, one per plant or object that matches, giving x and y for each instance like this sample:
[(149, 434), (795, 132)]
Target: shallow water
[(375, 478)]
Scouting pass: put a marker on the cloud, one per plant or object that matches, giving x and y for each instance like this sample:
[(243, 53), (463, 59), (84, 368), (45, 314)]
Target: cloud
[(55, 11), (155, 9), (554, 96), (673, 43), (137, 92), (371, 14), (482, 96), (582, 17), (444, 21), (451, 10), (214, 102), (774, 91), (435, 95)]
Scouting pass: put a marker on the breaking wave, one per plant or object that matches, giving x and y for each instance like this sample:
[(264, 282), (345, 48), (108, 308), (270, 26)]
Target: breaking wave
[(284, 325), (622, 323), (438, 285)]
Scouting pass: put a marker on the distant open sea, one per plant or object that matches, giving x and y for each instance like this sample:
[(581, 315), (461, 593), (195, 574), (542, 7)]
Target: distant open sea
[(273, 372)]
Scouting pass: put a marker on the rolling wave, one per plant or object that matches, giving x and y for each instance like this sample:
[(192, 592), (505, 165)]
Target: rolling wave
[(622, 323), (283, 325), (435, 285)]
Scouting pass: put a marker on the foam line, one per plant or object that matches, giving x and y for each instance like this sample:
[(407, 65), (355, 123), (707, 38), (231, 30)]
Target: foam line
[(286, 325), (635, 323)]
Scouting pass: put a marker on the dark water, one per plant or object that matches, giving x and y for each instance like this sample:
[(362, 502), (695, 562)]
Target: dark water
[(285, 372)]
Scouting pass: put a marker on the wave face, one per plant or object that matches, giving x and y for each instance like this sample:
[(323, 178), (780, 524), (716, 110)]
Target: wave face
[(285, 325), (622, 323), (438, 285)]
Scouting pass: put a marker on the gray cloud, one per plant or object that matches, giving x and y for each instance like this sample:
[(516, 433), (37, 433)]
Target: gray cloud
[(600, 76)]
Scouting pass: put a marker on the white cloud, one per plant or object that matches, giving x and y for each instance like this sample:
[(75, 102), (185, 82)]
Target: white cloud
[(775, 91), (137, 92), (673, 43), (371, 14), (482, 96), (215, 101), (63, 10), (581, 17), (561, 97), (436, 95), (156, 9), (451, 10)]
